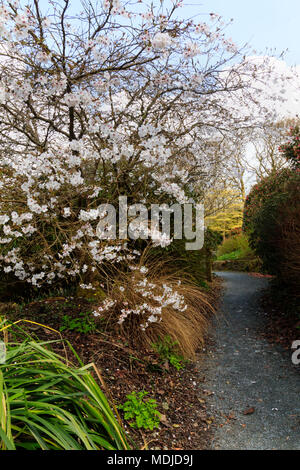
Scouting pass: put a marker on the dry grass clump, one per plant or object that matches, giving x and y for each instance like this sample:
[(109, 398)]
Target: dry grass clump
[(133, 304)]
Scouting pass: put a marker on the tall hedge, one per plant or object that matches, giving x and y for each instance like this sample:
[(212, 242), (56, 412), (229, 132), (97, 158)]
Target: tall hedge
[(272, 221)]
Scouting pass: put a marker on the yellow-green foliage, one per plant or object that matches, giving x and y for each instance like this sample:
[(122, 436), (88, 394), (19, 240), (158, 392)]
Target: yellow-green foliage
[(226, 208), (238, 244)]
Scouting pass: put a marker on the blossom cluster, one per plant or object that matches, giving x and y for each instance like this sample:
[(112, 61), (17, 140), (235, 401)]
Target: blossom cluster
[(149, 309), (97, 105)]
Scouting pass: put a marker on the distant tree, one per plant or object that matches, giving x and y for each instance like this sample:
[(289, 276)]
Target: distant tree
[(225, 211), (264, 147)]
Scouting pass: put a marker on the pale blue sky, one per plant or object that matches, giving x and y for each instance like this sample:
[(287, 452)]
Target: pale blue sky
[(262, 23), (273, 24)]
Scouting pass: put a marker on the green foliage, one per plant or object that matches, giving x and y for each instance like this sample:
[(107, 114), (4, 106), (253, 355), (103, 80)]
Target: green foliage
[(85, 323), (167, 350), (203, 284), (228, 256), (142, 413), (46, 404), (191, 263), (177, 259), (272, 220), (291, 150), (236, 247), (212, 239), (264, 191)]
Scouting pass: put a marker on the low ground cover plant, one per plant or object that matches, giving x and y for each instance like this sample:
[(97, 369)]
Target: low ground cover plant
[(84, 323), (168, 352), (141, 412)]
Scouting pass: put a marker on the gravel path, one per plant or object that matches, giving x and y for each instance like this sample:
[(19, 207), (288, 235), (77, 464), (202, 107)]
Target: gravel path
[(244, 371)]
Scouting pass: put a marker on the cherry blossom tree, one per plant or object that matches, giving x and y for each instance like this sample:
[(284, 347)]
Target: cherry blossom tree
[(115, 99)]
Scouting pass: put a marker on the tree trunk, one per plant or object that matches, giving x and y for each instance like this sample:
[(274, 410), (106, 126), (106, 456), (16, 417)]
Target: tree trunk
[(208, 262)]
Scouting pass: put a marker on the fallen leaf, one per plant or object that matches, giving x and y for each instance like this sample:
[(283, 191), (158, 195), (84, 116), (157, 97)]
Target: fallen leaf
[(249, 411), (163, 420)]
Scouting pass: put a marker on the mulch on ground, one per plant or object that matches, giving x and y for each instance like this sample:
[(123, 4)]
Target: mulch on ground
[(181, 395)]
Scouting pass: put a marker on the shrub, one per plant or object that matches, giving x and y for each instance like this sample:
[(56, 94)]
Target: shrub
[(176, 257), (290, 247), (238, 246), (228, 246), (291, 149), (265, 190), (229, 256), (272, 219)]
